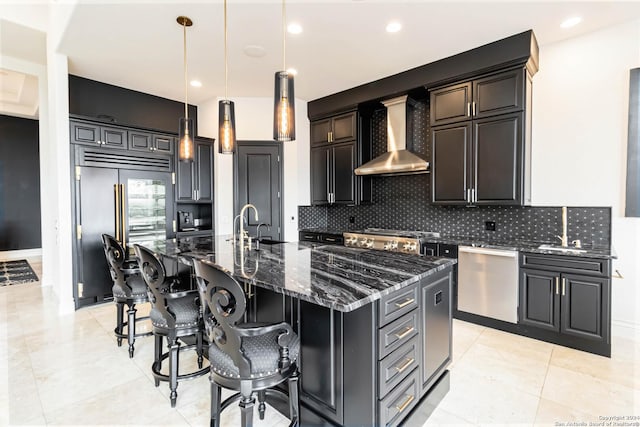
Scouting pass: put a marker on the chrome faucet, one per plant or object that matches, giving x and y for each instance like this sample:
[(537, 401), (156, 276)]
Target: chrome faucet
[(243, 233), (259, 236), (564, 239)]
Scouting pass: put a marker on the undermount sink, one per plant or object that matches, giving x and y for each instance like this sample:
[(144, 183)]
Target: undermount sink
[(561, 249), (270, 242)]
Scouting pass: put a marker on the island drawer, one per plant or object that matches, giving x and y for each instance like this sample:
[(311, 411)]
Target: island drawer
[(398, 365), (400, 401), (398, 303), (398, 332)]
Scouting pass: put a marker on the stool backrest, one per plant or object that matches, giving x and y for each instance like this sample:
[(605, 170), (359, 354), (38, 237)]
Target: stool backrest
[(114, 252), (154, 275), (225, 300)]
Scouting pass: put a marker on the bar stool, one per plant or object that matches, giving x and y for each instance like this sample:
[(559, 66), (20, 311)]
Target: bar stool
[(128, 288), (174, 315), (244, 357)]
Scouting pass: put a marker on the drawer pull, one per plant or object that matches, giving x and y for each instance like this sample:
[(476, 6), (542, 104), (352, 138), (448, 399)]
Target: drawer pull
[(329, 239), (405, 303), (405, 365), (406, 403), (406, 332)]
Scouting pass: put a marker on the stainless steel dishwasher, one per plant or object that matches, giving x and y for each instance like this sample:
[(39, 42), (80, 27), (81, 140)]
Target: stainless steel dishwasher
[(488, 282)]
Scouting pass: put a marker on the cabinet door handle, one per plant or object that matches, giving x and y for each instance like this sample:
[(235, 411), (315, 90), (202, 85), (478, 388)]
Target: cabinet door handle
[(474, 197), (473, 108), (406, 332), (404, 303), (468, 109), (564, 282), (408, 361), (404, 404), (468, 198), (557, 285)]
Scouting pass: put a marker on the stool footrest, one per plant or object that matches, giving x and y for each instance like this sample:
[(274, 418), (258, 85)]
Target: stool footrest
[(189, 376)]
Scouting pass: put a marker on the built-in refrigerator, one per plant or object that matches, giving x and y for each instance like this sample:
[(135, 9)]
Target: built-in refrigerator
[(135, 206)]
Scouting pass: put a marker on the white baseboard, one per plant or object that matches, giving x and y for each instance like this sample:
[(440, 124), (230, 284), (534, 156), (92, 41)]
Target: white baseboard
[(625, 329), (21, 254)]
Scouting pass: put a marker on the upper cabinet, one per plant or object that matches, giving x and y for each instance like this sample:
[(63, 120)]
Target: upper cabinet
[(195, 179), (146, 141), (97, 135), (341, 128), (340, 143), (481, 140)]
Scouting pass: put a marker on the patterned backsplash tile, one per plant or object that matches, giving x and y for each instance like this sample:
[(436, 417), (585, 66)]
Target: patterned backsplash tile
[(403, 202)]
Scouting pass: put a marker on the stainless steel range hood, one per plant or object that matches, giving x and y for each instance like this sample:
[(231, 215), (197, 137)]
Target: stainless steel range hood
[(397, 160)]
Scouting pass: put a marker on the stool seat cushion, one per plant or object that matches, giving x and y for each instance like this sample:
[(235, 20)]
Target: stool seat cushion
[(137, 285), (185, 309), (263, 351)]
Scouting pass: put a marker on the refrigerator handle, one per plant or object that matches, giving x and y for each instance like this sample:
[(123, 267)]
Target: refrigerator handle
[(116, 190), (123, 216)]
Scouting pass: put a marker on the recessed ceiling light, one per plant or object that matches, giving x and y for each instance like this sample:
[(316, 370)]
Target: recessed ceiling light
[(394, 27), (254, 51), (570, 22), (196, 83), (292, 71), (294, 28)]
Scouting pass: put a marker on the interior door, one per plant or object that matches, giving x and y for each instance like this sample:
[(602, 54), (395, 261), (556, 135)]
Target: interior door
[(258, 172), (96, 216), (147, 206)]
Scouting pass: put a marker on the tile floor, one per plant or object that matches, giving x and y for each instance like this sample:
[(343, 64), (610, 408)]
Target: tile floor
[(67, 370)]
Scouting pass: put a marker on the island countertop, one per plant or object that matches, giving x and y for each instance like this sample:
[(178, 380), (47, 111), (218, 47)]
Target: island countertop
[(332, 276)]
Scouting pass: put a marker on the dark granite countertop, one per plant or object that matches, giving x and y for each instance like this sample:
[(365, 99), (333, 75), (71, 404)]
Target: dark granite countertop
[(522, 245), (587, 251), (332, 276)]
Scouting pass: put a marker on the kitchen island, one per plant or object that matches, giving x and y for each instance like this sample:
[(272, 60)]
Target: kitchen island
[(375, 327)]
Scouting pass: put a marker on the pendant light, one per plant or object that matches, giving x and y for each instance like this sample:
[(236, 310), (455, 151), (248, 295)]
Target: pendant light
[(284, 121), (185, 131), (226, 110)]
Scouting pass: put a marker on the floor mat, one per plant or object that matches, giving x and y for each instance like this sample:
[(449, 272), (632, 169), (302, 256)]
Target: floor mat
[(16, 272)]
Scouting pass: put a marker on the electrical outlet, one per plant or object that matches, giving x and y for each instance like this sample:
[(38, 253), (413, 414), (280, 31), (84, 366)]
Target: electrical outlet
[(490, 225), (352, 219)]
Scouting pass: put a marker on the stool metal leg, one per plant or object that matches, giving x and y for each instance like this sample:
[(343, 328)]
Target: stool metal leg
[(246, 410), (131, 328), (199, 349), (262, 395), (157, 356), (294, 400), (119, 320), (174, 355), (215, 405)]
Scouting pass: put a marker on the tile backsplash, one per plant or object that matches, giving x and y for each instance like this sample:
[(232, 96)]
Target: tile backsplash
[(403, 202)]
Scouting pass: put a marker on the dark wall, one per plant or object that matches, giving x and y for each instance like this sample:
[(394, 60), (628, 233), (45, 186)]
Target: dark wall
[(114, 104), (19, 184)]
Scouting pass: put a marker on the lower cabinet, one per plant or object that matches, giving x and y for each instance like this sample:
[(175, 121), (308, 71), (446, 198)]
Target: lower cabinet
[(569, 297), (373, 365)]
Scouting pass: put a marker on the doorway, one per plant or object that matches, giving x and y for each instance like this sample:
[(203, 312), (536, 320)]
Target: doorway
[(257, 171)]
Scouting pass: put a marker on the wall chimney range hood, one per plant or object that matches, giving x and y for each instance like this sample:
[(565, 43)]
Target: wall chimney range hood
[(397, 160)]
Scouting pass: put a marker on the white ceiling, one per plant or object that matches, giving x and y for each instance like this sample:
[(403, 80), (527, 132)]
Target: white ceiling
[(138, 44)]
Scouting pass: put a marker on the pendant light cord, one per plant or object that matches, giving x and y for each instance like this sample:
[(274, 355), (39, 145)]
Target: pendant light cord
[(284, 36), (226, 66), (186, 89)]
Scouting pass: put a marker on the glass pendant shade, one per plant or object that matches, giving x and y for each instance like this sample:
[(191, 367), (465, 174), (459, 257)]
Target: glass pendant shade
[(227, 127), (284, 120), (185, 140)]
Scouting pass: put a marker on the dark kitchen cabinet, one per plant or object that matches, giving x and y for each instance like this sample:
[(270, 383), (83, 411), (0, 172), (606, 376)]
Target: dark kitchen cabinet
[(488, 96), (98, 135), (321, 237), (195, 179), (336, 129), (435, 325), (333, 180), (147, 141), (339, 145), (569, 296), (481, 141)]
